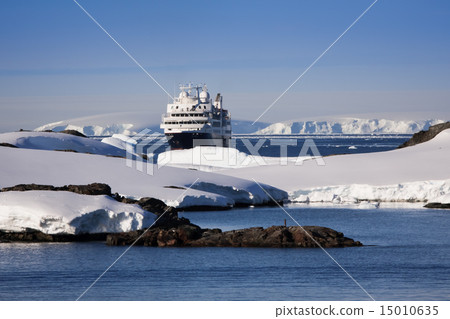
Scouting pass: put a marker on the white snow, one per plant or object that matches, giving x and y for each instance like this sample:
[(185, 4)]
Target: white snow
[(209, 158), (414, 173), (422, 191), (138, 179), (348, 126), (119, 141), (59, 141), (444, 198), (64, 212)]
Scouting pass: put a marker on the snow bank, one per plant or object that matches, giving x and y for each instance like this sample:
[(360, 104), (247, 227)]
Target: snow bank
[(423, 191), (209, 158), (130, 178), (443, 199), (59, 141), (413, 173), (348, 126), (65, 212), (119, 141)]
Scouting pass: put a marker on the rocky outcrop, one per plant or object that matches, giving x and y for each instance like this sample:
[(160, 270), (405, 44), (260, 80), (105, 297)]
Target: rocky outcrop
[(36, 236), (438, 205), (90, 189), (73, 132), (8, 145), (167, 215), (190, 235), (170, 230), (70, 132), (424, 136)]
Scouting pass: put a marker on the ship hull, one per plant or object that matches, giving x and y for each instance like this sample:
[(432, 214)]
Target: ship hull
[(188, 140)]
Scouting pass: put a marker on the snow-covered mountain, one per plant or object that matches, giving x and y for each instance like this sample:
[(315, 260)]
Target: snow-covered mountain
[(130, 123), (348, 126)]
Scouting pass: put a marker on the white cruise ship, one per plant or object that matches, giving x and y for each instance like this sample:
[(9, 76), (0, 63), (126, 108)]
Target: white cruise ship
[(194, 119)]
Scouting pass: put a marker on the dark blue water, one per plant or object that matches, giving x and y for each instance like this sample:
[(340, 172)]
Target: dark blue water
[(326, 144), (409, 260)]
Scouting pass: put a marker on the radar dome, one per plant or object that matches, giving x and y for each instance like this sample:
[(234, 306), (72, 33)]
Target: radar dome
[(204, 96), (183, 94)]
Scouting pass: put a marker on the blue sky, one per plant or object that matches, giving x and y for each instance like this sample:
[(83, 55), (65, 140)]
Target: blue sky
[(55, 63)]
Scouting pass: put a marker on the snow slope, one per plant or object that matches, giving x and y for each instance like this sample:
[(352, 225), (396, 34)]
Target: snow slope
[(169, 184), (419, 172), (59, 141), (65, 212), (348, 126)]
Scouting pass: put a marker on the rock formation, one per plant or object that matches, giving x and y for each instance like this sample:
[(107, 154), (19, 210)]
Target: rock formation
[(190, 235), (424, 136)]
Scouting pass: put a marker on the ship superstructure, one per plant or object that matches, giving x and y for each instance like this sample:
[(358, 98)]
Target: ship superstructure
[(194, 119)]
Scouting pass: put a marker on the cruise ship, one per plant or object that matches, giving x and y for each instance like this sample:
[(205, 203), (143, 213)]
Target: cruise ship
[(194, 119)]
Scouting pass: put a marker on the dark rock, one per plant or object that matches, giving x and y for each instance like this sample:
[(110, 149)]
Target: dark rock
[(90, 189), (33, 235), (67, 150), (73, 132), (189, 235), (8, 145), (275, 236), (167, 215), (175, 187), (424, 136), (154, 205), (438, 205), (28, 187)]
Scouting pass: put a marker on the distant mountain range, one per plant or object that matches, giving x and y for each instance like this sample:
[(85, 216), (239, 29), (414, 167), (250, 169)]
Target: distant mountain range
[(133, 122)]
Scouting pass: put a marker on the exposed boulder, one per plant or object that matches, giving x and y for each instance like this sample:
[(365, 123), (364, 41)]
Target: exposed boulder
[(424, 136)]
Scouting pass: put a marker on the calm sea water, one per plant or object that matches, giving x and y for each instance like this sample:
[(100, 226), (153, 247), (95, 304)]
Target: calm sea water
[(407, 257), (326, 144)]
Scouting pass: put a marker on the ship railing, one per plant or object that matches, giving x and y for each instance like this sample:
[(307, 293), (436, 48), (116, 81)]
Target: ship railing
[(187, 115)]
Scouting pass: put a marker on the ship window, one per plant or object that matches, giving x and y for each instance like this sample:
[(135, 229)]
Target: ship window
[(177, 106)]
